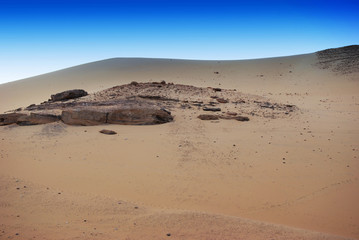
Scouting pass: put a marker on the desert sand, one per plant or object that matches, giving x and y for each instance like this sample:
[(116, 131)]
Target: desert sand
[(284, 176)]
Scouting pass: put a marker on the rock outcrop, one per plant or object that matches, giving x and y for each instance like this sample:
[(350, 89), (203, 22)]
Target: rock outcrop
[(147, 103), (123, 116), (10, 118), (70, 94), (84, 117), (37, 118), (139, 116)]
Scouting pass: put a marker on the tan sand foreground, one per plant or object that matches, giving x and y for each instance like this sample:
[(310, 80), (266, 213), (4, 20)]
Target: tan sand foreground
[(288, 176)]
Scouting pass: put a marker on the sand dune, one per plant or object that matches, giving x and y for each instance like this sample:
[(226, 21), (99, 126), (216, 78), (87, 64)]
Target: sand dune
[(190, 178)]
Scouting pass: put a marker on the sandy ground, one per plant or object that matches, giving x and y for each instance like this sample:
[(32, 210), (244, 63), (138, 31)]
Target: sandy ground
[(189, 178)]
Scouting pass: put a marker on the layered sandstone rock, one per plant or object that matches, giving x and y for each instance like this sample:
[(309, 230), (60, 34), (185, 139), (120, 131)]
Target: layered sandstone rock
[(10, 118), (37, 118)]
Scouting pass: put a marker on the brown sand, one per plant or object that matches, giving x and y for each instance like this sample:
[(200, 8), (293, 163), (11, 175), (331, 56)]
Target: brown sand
[(193, 179)]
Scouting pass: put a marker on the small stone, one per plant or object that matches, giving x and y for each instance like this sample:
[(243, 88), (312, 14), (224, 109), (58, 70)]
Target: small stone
[(212, 109), (108, 132), (168, 234), (208, 117), (221, 100)]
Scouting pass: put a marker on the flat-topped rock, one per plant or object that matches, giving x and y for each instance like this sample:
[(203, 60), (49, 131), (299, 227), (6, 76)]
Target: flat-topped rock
[(123, 116)]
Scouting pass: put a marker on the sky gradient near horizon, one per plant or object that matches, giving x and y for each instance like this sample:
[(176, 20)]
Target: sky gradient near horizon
[(38, 36)]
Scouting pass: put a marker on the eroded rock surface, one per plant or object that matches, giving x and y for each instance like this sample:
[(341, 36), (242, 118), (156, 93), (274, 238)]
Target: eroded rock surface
[(84, 117), (37, 118), (10, 118)]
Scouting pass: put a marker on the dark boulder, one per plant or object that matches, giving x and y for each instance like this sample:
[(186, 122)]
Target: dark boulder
[(70, 94)]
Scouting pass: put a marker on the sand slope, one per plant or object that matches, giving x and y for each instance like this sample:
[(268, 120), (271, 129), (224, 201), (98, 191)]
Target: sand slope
[(191, 178)]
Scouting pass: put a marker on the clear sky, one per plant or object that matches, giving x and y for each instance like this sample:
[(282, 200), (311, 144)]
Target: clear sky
[(38, 36)]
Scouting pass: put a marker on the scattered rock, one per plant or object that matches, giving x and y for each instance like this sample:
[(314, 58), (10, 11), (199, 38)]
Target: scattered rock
[(232, 113), (168, 234), (134, 83), (241, 118), (212, 109), (208, 117), (217, 89), (221, 100), (108, 132), (70, 94), (216, 72)]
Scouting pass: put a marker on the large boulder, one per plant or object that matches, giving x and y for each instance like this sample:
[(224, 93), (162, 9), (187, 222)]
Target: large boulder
[(139, 116), (70, 94), (37, 118), (10, 118), (84, 117)]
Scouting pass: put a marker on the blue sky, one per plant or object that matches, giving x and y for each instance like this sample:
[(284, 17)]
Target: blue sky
[(38, 36)]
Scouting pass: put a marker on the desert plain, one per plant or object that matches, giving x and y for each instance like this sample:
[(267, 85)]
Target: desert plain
[(290, 172)]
